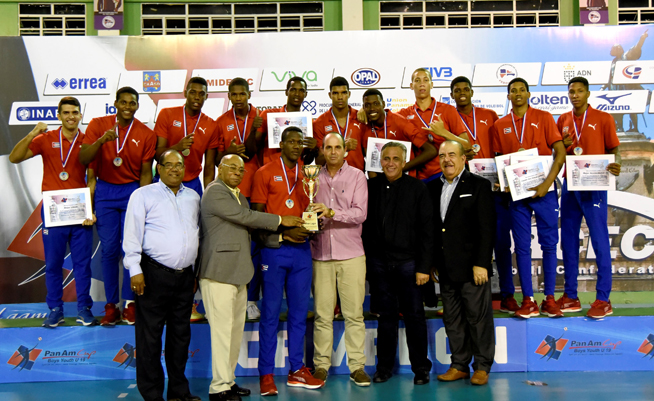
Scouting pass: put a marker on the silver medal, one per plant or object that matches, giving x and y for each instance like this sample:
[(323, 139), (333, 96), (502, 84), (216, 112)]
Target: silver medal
[(290, 203), (578, 151), (476, 148), (118, 162), (63, 176)]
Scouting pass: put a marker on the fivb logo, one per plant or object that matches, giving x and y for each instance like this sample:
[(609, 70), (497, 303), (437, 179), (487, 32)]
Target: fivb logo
[(442, 74)]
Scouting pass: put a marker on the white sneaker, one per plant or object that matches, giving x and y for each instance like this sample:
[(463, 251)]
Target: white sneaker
[(253, 312)]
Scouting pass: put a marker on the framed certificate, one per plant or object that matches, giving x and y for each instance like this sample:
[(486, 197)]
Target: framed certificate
[(485, 168), (528, 174), (588, 173), (502, 161), (373, 153), (278, 122), (67, 207)]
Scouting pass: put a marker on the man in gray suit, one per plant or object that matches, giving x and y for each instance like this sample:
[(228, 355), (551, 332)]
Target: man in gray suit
[(226, 267)]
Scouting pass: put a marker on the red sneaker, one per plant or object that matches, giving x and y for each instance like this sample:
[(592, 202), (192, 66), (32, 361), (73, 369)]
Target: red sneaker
[(549, 307), (528, 309), (267, 385), (129, 314), (600, 309), (111, 315), (509, 305), (304, 378), (568, 304)]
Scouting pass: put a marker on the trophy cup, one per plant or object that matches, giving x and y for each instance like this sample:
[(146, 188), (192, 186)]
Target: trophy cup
[(310, 184)]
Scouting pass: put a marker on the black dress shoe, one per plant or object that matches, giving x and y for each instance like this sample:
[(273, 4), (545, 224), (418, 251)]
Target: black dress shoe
[(187, 397), (381, 376), (226, 395), (243, 392), (421, 378)]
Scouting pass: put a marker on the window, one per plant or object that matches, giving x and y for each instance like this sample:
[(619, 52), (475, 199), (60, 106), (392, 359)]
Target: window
[(207, 18), (632, 12), (52, 19), (468, 14)]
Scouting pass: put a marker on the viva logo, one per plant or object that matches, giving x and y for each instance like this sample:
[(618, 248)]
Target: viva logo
[(309, 75)]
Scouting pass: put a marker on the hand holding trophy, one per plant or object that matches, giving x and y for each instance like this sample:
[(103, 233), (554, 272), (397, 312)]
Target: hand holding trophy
[(310, 184)]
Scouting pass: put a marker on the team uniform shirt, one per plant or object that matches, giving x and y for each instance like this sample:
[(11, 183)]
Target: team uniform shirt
[(540, 132), (327, 124), (228, 129), (596, 137), (48, 146), (398, 128), (139, 148), (451, 121), (483, 135), (270, 188), (169, 126)]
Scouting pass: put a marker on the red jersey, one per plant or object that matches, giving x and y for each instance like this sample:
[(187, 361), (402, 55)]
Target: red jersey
[(170, 126), (481, 133), (139, 148), (451, 121), (271, 188), (266, 154), (228, 129), (47, 145), (596, 137), (327, 124), (540, 132)]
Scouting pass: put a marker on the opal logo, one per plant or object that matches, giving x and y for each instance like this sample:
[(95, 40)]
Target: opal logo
[(43, 113), (59, 83), (632, 72), (365, 77)]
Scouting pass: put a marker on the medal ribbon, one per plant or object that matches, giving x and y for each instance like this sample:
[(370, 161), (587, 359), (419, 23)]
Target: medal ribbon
[(347, 122), (574, 124), (118, 150), (288, 185), (61, 148), (238, 130), (524, 122), (196, 124), (374, 131), (474, 124), (415, 110)]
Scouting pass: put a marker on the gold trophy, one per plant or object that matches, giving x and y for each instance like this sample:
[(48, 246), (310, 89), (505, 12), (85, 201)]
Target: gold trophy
[(310, 184)]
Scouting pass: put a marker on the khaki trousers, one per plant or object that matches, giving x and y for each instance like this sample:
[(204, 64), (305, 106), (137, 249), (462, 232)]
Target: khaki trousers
[(349, 276), (225, 306)]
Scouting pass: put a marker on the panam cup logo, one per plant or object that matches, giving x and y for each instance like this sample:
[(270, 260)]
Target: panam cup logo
[(126, 356), (551, 347), (24, 357), (365, 77), (647, 347)]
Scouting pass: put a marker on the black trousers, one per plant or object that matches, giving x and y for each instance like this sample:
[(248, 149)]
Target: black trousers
[(167, 300), (468, 319), (396, 292)]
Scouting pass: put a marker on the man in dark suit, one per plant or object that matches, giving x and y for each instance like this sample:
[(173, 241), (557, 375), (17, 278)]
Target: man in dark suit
[(464, 236), (226, 268)]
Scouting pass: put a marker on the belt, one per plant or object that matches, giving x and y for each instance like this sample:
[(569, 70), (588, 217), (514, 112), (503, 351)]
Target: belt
[(151, 262)]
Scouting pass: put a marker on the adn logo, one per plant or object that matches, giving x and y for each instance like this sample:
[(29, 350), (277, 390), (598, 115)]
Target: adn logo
[(151, 81), (24, 357), (506, 73), (632, 72), (126, 356), (43, 113), (647, 347), (551, 347), (365, 77)]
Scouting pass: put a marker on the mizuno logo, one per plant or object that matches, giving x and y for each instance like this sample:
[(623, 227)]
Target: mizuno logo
[(592, 126), (612, 99)]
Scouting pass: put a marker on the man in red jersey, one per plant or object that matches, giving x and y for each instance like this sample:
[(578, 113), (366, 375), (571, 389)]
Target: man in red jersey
[(524, 128), (62, 170), (586, 131), (296, 92), (189, 131), (383, 123), (341, 119), (121, 149)]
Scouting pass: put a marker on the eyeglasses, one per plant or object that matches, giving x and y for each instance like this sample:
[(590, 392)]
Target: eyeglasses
[(235, 169), (170, 166)]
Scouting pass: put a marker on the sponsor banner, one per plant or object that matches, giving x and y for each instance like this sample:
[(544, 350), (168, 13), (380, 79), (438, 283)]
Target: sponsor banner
[(500, 74), (553, 102), (270, 102), (73, 83), (30, 113), (495, 101), (620, 101), (154, 81), (634, 72), (101, 107), (560, 73), (582, 344), (379, 76), (441, 75), (275, 79), (213, 107), (218, 80)]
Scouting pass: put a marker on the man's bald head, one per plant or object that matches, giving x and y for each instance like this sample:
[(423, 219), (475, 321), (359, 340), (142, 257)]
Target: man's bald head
[(231, 170)]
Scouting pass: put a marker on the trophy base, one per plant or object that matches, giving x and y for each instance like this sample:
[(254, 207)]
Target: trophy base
[(311, 221)]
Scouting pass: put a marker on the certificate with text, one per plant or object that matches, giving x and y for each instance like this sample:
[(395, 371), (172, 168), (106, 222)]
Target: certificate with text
[(66, 207), (485, 168), (373, 153), (504, 160), (528, 174), (588, 173), (278, 122)]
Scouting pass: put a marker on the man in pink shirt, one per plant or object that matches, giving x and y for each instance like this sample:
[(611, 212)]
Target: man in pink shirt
[(339, 261)]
